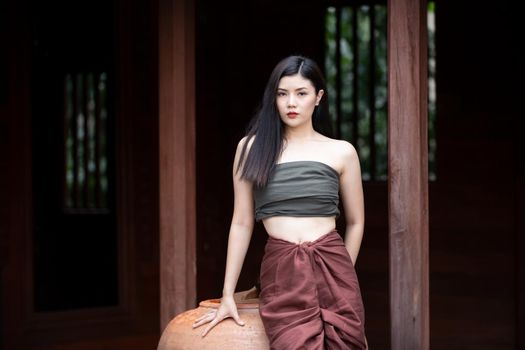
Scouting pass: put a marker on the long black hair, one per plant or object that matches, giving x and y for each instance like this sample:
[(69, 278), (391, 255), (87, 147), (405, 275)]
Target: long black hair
[(267, 125)]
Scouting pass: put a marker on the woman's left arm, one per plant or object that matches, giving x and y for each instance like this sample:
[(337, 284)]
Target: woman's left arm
[(351, 189)]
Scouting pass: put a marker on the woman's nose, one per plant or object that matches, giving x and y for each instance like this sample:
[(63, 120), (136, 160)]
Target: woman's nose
[(291, 101)]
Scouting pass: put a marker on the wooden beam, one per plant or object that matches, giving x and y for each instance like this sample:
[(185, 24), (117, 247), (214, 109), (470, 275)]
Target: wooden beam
[(408, 174), (519, 194), (177, 157)]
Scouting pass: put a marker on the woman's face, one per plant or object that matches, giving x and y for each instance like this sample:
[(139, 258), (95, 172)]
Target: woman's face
[(296, 99)]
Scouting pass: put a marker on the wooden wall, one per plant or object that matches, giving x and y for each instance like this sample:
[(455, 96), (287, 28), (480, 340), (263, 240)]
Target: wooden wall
[(134, 322), (474, 202)]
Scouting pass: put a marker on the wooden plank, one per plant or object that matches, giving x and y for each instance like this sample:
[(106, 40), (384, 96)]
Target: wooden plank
[(177, 157), (408, 174), (519, 193)]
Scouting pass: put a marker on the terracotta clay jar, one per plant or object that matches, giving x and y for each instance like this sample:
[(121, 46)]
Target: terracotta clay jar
[(179, 334)]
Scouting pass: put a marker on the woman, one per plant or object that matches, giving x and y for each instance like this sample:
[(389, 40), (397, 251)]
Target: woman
[(289, 175)]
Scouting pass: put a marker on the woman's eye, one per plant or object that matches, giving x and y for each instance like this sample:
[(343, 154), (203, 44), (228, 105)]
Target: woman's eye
[(302, 94), (281, 94)]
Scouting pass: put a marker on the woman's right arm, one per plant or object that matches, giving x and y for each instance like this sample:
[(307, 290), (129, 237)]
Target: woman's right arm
[(239, 239)]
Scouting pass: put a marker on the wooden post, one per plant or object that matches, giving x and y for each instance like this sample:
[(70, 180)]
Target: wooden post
[(408, 174), (177, 157)]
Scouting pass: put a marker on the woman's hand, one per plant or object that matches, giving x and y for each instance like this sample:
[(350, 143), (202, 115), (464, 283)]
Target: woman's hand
[(228, 308)]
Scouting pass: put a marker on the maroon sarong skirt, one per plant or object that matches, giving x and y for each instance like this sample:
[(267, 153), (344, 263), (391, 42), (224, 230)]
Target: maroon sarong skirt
[(310, 297)]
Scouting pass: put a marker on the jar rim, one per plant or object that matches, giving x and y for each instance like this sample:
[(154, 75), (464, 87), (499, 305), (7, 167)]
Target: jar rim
[(241, 304)]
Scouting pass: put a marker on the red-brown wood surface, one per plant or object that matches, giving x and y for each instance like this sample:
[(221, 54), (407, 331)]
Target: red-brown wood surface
[(408, 175), (177, 157), (520, 246), (15, 312)]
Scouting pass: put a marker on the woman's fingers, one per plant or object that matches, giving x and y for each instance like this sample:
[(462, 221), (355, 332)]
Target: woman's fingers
[(238, 319), (213, 322), (211, 325), (212, 318), (207, 317)]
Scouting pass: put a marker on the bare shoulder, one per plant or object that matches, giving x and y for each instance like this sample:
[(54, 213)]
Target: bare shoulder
[(242, 151), (245, 139), (340, 154), (343, 150)]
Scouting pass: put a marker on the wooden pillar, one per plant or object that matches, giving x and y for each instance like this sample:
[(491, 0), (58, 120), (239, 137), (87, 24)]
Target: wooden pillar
[(519, 195), (177, 157), (408, 174)]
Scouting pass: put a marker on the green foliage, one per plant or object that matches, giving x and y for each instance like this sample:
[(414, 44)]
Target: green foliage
[(353, 107), (85, 124)]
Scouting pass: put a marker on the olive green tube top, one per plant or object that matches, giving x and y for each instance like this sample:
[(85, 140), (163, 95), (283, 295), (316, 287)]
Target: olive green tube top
[(298, 188)]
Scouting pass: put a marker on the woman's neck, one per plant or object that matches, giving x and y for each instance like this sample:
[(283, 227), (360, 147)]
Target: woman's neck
[(300, 134)]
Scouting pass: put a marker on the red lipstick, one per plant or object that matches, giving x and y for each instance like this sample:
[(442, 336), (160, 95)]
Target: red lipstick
[(291, 114)]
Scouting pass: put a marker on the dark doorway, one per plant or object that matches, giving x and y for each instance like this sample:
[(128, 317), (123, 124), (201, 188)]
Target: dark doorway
[(75, 243)]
